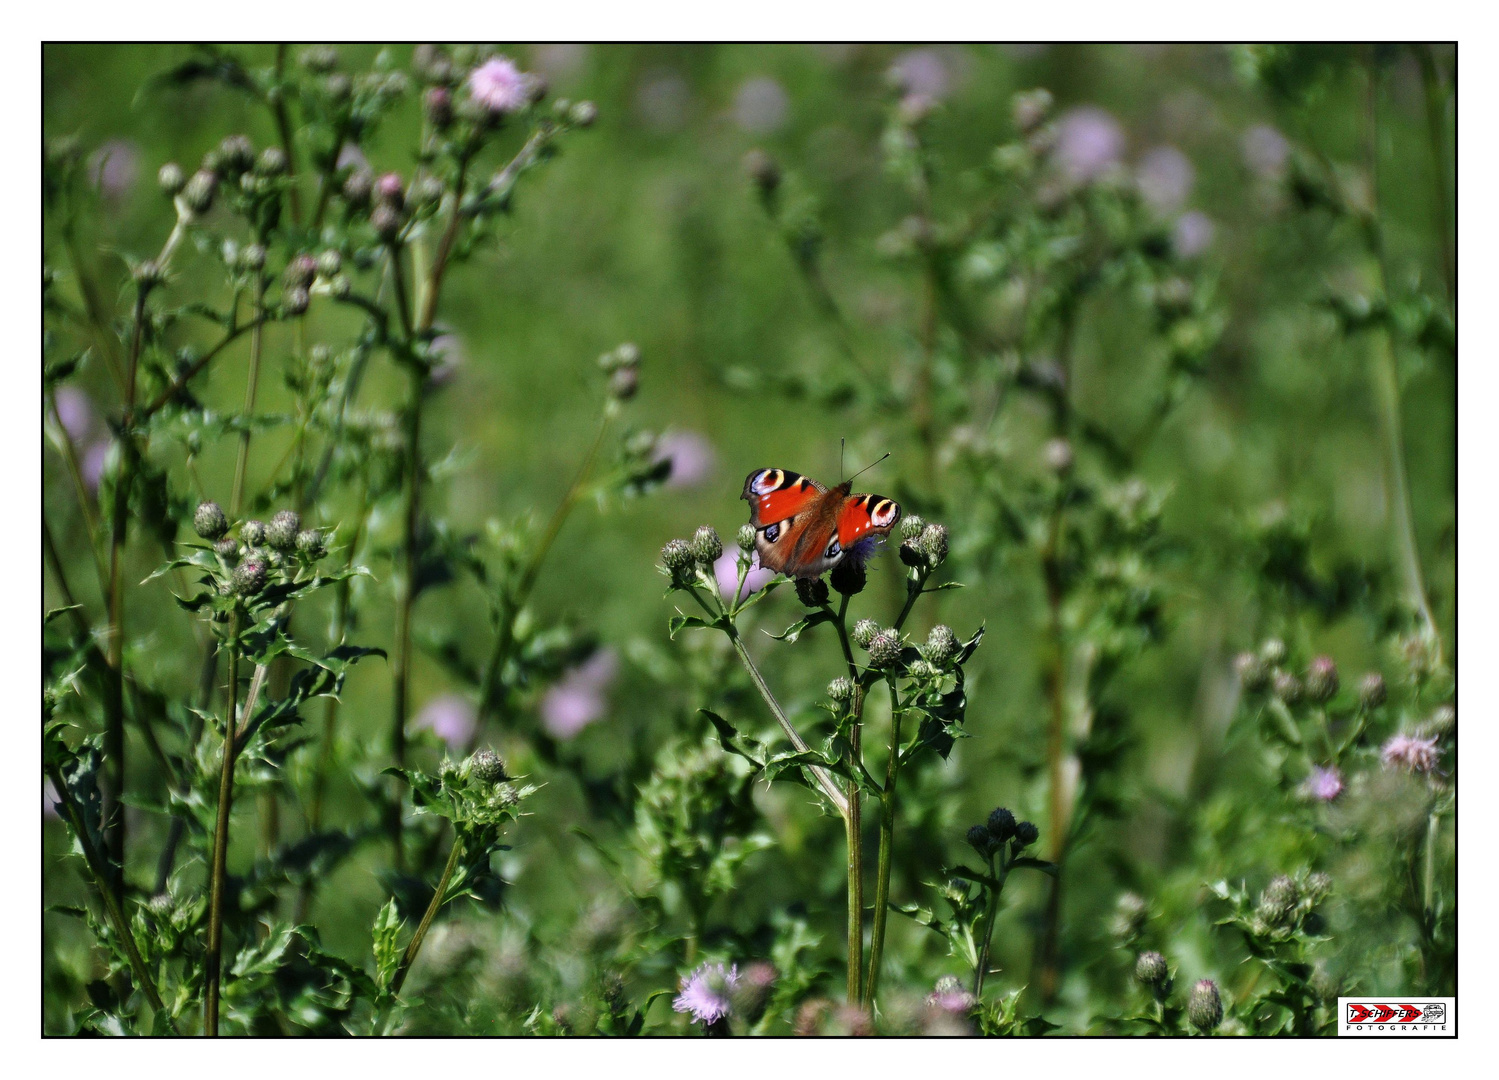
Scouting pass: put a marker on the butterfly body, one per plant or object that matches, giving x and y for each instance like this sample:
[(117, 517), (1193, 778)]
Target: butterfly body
[(804, 529)]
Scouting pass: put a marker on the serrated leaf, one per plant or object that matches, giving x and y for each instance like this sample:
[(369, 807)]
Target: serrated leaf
[(796, 629), (386, 933)]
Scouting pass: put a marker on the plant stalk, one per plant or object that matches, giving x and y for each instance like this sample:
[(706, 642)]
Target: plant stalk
[(414, 946), (213, 962), (887, 844)]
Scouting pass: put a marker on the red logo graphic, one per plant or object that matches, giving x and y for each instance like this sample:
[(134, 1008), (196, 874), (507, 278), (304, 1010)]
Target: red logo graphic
[(1373, 1013)]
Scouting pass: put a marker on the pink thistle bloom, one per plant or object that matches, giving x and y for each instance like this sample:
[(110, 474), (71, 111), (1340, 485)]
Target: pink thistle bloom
[(1165, 178), (1089, 141), (691, 455), (726, 570), (949, 996), (114, 167), (451, 718), (1412, 752), (1323, 785), (500, 86), (921, 74), (706, 993), (1265, 151), (578, 699), (1193, 234)]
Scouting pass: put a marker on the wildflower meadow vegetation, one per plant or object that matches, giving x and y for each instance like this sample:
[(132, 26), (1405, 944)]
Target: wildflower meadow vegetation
[(409, 663)]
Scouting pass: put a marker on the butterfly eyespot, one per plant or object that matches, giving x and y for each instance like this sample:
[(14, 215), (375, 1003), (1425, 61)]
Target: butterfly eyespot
[(833, 549), (772, 533), (884, 513), (767, 481)]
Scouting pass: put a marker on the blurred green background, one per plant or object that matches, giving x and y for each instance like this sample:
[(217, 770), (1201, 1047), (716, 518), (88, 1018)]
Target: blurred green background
[(646, 229)]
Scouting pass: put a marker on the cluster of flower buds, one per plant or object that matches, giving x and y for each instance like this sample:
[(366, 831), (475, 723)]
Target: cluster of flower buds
[(884, 646), (1261, 671), (923, 546), (1287, 903), (261, 547), (990, 838), (685, 559), (622, 365)]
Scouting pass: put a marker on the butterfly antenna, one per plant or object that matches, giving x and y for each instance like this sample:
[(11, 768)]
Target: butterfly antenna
[(871, 465)]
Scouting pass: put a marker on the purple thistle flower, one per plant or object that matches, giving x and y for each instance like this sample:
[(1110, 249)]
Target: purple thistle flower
[(1265, 151), (1089, 141), (1411, 752), (577, 700), (726, 569), (114, 167), (75, 411), (1324, 784), (706, 993), (500, 86), (949, 996), (1193, 234), (691, 455), (450, 717), (1165, 178), (922, 75), (760, 106)]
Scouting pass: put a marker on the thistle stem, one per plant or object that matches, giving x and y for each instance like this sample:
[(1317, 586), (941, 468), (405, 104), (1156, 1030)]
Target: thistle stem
[(414, 946), (213, 962), (887, 844), (252, 380), (990, 914)]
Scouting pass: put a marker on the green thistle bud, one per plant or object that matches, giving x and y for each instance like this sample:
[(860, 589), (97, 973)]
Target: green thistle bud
[(340, 287), (841, 689), (1204, 1006), (236, 154), (295, 301), (1371, 690), (1443, 722), (319, 59), (1001, 824), (160, 905), (980, 840), (272, 161), (1030, 108), (487, 766), (676, 556), (910, 553), (437, 104), (1130, 913), (921, 670), (506, 795), (864, 632), (427, 191), (1281, 895), (329, 263), (583, 114), (227, 548), (300, 272), (171, 179), (1273, 651), (941, 645), (359, 187), (624, 383), (813, 592), (1151, 969), (1318, 887), (884, 649), (1057, 454), (706, 546), (311, 544), (386, 221), (746, 538), (1253, 675), (148, 274), (252, 258), (1321, 679), (628, 354), (252, 533), (209, 521), (1026, 834), (849, 577), (338, 86), (934, 544), (1287, 687), (249, 577), (910, 528)]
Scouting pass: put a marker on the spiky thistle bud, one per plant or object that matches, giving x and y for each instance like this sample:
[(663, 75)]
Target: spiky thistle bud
[(171, 179), (934, 544), (746, 538), (1278, 901), (849, 577), (227, 548), (941, 645), (209, 521), (1001, 824), (300, 271), (329, 263), (487, 766), (884, 649), (386, 221), (236, 154), (1029, 109), (1371, 690), (1253, 675), (358, 188), (272, 161), (1026, 834), (252, 258), (813, 592), (160, 905), (1287, 687), (841, 689), (676, 556), (1321, 679), (437, 103), (1204, 1006), (1318, 886), (624, 383), (583, 114), (295, 301), (1151, 969), (1130, 914), (312, 544), (1273, 651), (910, 528), (249, 577), (706, 546), (252, 533), (864, 632), (980, 839)]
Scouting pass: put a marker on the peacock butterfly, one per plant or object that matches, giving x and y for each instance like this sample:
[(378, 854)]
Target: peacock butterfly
[(804, 529)]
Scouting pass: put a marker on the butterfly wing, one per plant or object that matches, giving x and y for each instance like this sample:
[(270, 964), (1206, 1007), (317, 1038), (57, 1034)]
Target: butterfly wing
[(864, 518), (783, 506)]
